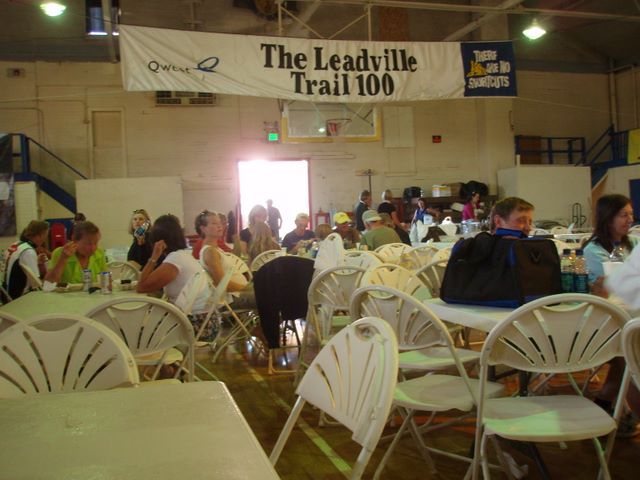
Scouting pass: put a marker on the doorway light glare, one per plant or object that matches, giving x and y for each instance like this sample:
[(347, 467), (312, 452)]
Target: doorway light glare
[(53, 9)]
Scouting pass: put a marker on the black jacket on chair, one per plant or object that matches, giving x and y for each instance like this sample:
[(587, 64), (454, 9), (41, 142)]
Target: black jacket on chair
[(281, 293)]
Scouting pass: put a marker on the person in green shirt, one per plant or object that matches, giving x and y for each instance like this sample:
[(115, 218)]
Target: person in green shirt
[(377, 233), (82, 252)]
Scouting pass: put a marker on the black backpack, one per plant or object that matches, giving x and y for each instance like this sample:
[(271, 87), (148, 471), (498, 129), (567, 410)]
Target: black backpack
[(498, 271)]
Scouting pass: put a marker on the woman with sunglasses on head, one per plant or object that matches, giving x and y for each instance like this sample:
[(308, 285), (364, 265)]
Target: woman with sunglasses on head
[(222, 244), (211, 230), (140, 249)]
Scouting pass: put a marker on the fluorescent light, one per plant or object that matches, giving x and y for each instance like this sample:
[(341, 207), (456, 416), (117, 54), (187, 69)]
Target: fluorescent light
[(534, 31), (53, 9), (97, 34)]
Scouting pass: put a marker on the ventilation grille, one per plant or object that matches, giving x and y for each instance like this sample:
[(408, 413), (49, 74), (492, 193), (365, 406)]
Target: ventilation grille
[(167, 98)]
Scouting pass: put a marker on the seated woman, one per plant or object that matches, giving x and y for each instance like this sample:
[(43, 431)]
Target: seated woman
[(386, 206), (221, 243), (614, 217), (404, 236), (469, 210), (175, 271), (322, 231), (24, 254), (262, 241), (81, 253), (140, 249), (210, 229), (257, 215)]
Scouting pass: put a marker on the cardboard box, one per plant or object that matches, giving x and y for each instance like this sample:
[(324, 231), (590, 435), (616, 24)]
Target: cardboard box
[(440, 190)]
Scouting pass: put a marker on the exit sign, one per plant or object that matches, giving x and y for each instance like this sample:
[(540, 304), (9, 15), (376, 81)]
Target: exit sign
[(273, 137)]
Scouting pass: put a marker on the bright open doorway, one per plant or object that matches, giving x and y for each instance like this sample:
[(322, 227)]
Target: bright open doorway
[(286, 182)]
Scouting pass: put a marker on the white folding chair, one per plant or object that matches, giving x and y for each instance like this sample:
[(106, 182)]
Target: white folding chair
[(425, 344), (558, 229), (60, 354), (352, 380), (556, 334), (33, 280), (422, 345), (391, 252), (124, 271), (432, 274), (396, 277), (7, 320), (631, 349), (328, 298), (156, 332), (417, 257), (242, 325), (361, 258), (263, 258)]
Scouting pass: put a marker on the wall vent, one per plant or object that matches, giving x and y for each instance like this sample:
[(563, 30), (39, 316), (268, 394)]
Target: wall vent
[(166, 98)]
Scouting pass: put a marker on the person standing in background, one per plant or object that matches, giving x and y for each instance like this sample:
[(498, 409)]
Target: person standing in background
[(363, 205), (274, 219), (387, 206)]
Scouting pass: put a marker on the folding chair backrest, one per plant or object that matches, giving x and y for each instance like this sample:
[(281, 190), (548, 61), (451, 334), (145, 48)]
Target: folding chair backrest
[(431, 275), (555, 334), (413, 323), (361, 258), (6, 321), (417, 257), (331, 290), (124, 271), (200, 294), (147, 325), (396, 277), (263, 258), (391, 252), (33, 280), (239, 266), (56, 354), (353, 378), (631, 349)]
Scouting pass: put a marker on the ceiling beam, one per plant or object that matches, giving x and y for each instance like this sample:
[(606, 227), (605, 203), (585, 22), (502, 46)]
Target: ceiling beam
[(446, 7), (478, 22)]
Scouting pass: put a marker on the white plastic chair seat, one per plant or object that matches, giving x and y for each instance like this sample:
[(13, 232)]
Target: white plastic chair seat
[(172, 356), (439, 393), (434, 358), (546, 418)]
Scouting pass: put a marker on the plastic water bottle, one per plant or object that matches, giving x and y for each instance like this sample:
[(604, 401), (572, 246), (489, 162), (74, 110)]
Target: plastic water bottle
[(618, 254), (566, 270), (580, 273), (315, 246)]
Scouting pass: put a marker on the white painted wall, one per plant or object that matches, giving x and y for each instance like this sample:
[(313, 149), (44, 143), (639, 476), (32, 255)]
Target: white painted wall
[(552, 189), (109, 203), (617, 180), (54, 101)]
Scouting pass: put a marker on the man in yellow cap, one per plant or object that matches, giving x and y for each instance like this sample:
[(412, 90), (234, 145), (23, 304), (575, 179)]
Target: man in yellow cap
[(350, 236)]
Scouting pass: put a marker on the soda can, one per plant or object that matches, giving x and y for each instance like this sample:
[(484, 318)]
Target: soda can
[(86, 280), (106, 285)]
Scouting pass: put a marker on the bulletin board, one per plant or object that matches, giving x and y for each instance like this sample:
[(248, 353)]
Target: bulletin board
[(109, 203)]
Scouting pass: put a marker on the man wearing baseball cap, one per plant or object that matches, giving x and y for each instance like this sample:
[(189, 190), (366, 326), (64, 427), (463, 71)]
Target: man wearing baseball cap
[(350, 235), (300, 236), (377, 233)]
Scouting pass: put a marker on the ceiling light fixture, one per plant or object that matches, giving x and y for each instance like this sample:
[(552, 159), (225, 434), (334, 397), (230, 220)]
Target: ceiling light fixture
[(534, 31), (53, 9)]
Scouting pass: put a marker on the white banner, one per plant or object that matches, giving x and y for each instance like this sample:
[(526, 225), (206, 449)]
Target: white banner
[(313, 70)]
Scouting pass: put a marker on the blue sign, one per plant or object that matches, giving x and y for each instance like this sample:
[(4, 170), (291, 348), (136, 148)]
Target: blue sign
[(489, 69)]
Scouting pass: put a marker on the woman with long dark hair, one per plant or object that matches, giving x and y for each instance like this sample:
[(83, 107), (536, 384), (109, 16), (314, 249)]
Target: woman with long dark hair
[(174, 271), (140, 249), (613, 219)]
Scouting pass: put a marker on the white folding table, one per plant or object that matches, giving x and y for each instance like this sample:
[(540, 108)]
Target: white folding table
[(192, 430), (77, 303), (472, 316)]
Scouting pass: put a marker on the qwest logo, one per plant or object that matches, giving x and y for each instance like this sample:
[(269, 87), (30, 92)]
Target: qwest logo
[(208, 65)]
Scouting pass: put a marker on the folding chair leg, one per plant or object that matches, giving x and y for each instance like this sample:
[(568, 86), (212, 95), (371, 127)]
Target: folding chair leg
[(286, 430)]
